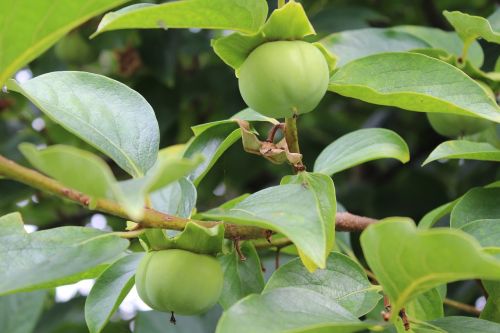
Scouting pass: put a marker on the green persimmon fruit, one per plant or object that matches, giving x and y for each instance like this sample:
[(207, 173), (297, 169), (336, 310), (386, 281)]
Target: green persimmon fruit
[(179, 281), (74, 50), (283, 78), (453, 126)]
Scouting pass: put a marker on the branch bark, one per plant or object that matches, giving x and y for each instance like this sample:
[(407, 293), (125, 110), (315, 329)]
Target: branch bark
[(152, 218)]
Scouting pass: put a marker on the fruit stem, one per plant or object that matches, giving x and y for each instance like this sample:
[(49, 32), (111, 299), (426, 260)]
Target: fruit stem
[(291, 134), (292, 139)]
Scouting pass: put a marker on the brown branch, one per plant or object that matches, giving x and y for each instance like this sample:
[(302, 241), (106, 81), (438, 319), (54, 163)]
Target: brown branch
[(152, 218)]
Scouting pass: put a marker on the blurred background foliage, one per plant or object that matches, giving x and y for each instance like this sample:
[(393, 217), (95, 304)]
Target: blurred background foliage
[(187, 84)]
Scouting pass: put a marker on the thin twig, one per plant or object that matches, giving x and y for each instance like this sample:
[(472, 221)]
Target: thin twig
[(462, 306)]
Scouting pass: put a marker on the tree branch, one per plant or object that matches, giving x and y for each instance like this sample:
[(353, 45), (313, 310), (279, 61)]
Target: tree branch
[(152, 218), (462, 306)]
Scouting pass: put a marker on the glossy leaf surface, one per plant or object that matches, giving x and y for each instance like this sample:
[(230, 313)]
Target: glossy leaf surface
[(52, 257), (359, 147), (402, 80), (103, 112)]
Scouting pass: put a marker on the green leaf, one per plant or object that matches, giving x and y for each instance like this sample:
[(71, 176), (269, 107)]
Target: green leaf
[(476, 204), (471, 27), (81, 170), (178, 198), (426, 306), (486, 231), (109, 290), (20, 312), (73, 167), (448, 41), (462, 149), (346, 44), (359, 147), (251, 115), (436, 214), (457, 324), (289, 22), (491, 310), (289, 310), (167, 169), (211, 143), (51, 257), (241, 278), (343, 281), (288, 209), (23, 38), (407, 261), (103, 112), (240, 15), (404, 80), (321, 186)]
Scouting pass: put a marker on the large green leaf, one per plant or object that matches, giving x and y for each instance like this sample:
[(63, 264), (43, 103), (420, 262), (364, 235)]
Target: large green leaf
[(289, 310), (361, 146), (343, 280), (458, 149), (81, 170), (447, 41), (346, 44), (75, 168), (486, 231), (29, 27), (414, 82), (51, 257), (321, 186), (286, 209), (20, 312), (241, 278), (211, 142), (464, 325), (470, 27), (241, 15), (407, 261), (105, 113), (476, 204), (109, 290)]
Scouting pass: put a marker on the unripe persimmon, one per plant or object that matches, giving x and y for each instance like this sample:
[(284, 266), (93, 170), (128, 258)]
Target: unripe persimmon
[(453, 125), (283, 78), (179, 281)]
